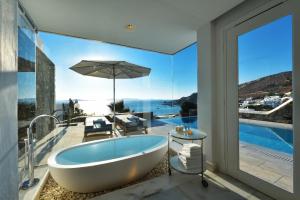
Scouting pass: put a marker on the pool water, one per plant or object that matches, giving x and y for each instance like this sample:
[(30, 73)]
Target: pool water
[(277, 139), (186, 121)]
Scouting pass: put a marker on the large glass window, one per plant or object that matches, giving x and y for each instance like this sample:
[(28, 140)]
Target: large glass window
[(154, 104), (26, 84), (266, 102), (185, 84), (168, 92)]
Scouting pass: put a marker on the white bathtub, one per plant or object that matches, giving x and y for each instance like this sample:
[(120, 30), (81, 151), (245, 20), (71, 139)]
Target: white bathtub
[(104, 164)]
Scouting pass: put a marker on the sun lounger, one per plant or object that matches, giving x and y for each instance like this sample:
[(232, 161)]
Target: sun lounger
[(130, 122), (97, 124)]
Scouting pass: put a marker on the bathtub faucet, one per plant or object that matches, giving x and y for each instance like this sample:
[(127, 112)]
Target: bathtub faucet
[(29, 148)]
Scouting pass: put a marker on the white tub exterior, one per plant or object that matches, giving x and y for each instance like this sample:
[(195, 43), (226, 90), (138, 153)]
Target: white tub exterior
[(98, 176)]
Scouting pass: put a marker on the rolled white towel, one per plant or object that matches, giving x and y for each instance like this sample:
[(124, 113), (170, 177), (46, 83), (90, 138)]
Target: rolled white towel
[(192, 149), (191, 146), (188, 157), (189, 150), (190, 154), (190, 166), (190, 161)]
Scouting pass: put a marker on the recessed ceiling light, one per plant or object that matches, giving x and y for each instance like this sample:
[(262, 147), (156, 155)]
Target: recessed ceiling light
[(130, 27)]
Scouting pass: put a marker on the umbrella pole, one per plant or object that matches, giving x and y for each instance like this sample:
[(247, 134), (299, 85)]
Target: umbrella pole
[(114, 90)]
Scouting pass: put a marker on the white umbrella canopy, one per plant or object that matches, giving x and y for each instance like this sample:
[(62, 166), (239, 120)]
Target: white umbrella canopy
[(110, 70)]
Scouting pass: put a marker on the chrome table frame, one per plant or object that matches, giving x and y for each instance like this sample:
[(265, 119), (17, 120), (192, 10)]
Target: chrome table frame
[(196, 135)]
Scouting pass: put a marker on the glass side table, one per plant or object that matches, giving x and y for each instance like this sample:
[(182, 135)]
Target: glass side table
[(174, 162)]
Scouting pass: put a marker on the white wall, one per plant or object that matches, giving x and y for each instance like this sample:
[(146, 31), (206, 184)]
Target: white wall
[(8, 100), (206, 84), (212, 90), (212, 80)]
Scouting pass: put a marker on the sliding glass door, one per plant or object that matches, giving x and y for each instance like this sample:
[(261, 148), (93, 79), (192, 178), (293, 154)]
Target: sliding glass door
[(261, 100)]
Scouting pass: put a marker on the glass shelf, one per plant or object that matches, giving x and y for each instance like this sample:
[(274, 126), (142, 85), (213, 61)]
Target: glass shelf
[(196, 135), (177, 165), (174, 161)]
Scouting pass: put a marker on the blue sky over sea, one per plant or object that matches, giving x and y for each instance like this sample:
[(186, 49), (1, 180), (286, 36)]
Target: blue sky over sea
[(263, 51), (161, 84), (266, 50), (67, 51)]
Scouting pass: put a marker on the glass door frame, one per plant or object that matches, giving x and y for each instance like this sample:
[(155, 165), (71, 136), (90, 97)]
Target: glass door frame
[(231, 100)]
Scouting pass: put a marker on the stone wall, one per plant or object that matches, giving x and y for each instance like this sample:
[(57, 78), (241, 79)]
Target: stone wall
[(45, 92), (8, 100), (284, 115)]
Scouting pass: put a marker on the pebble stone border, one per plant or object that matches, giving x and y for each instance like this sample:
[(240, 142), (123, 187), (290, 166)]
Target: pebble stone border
[(53, 191)]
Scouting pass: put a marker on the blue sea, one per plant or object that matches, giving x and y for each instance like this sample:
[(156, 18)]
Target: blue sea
[(158, 107), (99, 107)]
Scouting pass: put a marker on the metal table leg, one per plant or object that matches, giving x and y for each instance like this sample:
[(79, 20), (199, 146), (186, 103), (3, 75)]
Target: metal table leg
[(203, 181), (169, 168)]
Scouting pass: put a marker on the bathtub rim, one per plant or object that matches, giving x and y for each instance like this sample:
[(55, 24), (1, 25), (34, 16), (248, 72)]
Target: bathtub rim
[(53, 163)]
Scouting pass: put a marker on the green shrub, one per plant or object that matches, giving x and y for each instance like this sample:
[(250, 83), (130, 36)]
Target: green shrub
[(120, 107), (187, 108)]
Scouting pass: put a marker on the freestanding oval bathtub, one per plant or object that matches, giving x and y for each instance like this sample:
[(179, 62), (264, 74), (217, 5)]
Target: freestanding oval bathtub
[(104, 164)]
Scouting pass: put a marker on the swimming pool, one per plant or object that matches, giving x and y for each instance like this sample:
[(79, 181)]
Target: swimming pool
[(277, 139)]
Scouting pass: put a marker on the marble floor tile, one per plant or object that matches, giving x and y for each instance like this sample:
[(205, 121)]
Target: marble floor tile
[(186, 187)]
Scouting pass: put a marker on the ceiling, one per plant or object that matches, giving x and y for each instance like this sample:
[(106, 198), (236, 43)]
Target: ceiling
[(165, 26)]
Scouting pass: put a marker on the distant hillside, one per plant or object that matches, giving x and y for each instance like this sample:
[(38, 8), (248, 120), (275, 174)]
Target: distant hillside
[(274, 84), (192, 98)]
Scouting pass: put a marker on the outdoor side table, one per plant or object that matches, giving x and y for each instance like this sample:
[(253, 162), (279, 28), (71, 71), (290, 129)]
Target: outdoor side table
[(174, 162)]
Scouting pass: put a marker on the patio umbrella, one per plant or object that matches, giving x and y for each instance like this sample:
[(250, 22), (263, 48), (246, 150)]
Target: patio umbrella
[(110, 70)]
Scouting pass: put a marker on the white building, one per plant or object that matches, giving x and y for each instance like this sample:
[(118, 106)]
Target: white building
[(272, 101)]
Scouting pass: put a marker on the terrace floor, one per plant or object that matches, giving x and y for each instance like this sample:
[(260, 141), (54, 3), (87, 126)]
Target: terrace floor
[(269, 167), (59, 138), (186, 187)]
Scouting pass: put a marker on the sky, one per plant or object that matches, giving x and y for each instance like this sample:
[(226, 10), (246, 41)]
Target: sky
[(26, 85), (266, 50), (261, 52), (67, 51)]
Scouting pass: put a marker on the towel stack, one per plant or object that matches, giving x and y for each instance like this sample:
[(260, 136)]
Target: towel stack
[(190, 156)]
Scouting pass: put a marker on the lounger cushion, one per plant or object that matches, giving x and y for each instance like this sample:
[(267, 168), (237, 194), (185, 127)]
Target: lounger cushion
[(99, 121), (131, 121), (97, 124), (134, 119)]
